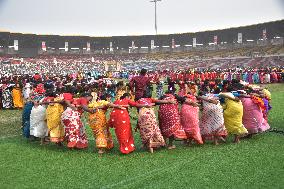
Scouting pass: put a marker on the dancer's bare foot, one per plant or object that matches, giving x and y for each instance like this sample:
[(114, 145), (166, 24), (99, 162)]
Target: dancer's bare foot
[(151, 150), (59, 144), (222, 139), (101, 151), (237, 139), (216, 141)]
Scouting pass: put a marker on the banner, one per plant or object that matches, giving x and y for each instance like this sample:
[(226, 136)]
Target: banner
[(133, 45), (215, 40), (66, 46), (264, 34), (16, 45), (152, 44), (194, 42), (110, 46), (240, 38), (43, 46), (173, 44), (88, 46)]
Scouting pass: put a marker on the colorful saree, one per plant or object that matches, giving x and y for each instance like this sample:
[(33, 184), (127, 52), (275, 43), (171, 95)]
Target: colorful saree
[(233, 115), (120, 120), (253, 119), (17, 98), (212, 121), (148, 126), (53, 117), (7, 100), (74, 129), (99, 126), (190, 120), (169, 119)]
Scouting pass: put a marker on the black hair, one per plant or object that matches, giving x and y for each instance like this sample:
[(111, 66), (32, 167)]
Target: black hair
[(86, 94), (120, 83), (225, 82), (230, 88), (143, 71), (206, 82), (103, 97), (124, 96), (50, 93), (217, 90)]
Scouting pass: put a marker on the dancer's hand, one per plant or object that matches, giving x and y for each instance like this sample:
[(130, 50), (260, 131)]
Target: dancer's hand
[(172, 102), (237, 99), (73, 107), (137, 128), (122, 108), (150, 105)]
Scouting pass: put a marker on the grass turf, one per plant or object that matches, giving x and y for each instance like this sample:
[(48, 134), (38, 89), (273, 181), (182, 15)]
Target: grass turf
[(254, 163)]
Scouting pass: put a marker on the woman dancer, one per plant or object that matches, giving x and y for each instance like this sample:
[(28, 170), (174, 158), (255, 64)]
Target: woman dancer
[(189, 115), (233, 114), (38, 127), (120, 121), (212, 120), (53, 116), (26, 117), (147, 123), (169, 120), (75, 133), (98, 123)]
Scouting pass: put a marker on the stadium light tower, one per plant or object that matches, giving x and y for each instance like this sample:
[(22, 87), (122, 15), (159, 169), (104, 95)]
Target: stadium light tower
[(155, 1)]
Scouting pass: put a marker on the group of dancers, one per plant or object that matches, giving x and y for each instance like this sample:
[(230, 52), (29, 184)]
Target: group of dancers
[(196, 113)]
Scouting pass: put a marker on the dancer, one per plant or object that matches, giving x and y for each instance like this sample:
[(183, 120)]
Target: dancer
[(98, 123), (169, 120)]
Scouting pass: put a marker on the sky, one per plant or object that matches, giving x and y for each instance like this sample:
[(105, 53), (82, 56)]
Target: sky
[(133, 17)]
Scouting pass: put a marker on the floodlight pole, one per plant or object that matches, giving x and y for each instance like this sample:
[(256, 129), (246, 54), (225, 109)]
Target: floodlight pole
[(155, 1)]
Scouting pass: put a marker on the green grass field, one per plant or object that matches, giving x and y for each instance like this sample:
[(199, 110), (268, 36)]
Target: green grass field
[(254, 163)]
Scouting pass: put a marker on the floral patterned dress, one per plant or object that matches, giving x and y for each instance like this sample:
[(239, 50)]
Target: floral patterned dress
[(99, 126), (75, 133), (7, 100), (212, 120), (150, 132), (169, 119)]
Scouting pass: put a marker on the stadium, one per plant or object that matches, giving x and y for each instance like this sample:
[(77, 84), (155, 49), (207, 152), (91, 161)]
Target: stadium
[(199, 109), (242, 44)]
